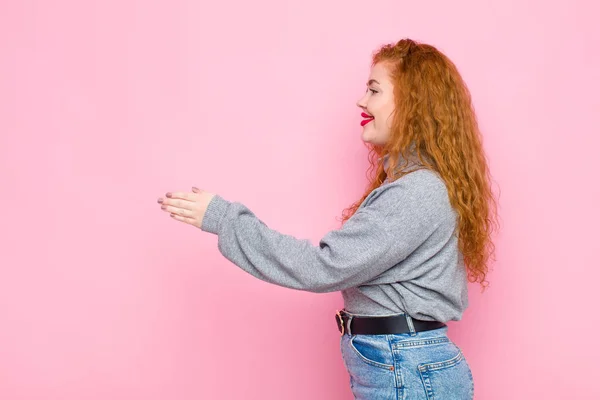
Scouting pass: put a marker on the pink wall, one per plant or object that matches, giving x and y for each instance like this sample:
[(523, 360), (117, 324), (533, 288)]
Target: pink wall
[(106, 105)]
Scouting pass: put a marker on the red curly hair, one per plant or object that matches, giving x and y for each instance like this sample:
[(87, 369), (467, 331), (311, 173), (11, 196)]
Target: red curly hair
[(434, 116)]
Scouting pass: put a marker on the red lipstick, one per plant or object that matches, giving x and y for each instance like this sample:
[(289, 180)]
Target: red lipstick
[(367, 118)]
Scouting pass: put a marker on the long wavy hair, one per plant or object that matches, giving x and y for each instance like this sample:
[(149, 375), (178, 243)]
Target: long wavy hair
[(434, 117)]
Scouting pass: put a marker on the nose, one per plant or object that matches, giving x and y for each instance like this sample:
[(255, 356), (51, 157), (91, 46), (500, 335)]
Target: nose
[(362, 103)]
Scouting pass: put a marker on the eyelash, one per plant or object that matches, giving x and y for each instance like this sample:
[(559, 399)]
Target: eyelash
[(373, 91)]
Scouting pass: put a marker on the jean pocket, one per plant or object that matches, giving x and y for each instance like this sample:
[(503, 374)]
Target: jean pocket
[(374, 350), (448, 377)]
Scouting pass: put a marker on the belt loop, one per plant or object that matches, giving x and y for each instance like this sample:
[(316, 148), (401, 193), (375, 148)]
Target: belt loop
[(350, 316), (341, 321), (411, 327)]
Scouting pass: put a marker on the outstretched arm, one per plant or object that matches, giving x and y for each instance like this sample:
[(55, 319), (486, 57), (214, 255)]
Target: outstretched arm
[(392, 222), (396, 220)]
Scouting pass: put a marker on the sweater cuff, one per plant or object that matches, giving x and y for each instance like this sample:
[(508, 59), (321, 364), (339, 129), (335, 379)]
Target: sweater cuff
[(215, 212)]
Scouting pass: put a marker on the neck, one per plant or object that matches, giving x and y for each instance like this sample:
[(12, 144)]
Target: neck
[(386, 160)]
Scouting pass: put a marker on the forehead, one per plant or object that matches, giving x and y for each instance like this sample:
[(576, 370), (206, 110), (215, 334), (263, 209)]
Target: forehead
[(380, 73)]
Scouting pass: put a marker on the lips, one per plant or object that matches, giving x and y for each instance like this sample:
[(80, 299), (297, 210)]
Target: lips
[(367, 118)]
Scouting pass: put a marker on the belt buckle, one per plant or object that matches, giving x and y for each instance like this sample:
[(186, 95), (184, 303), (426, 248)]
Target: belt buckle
[(341, 321)]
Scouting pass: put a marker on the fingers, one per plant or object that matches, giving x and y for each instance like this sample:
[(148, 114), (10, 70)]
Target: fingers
[(179, 208), (183, 219), (182, 206), (182, 195), (185, 204), (183, 212)]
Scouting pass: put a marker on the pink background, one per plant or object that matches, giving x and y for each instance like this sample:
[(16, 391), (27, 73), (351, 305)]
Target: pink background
[(106, 105)]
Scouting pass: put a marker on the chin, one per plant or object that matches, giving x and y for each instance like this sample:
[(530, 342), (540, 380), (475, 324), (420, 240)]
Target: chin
[(367, 137), (370, 139)]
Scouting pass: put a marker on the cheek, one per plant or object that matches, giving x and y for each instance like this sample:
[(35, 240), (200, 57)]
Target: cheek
[(383, 110), (387, 117), (383, 121)]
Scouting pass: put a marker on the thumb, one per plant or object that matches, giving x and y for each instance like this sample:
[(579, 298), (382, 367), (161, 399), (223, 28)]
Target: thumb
[(195, 189)]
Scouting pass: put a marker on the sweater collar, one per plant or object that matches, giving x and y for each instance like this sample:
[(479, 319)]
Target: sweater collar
[(413, 161), (386, 162)]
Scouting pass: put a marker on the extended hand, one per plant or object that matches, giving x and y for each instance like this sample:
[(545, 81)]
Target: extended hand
[(187, 207)]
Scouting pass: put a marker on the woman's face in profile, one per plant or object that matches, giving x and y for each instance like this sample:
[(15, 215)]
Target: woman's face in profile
[(377, 105)]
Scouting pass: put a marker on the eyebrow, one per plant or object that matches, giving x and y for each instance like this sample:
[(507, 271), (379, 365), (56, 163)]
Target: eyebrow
[(373, 81)]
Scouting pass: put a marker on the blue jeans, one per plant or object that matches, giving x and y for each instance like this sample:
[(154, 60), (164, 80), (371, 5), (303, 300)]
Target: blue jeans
[(412, 366)]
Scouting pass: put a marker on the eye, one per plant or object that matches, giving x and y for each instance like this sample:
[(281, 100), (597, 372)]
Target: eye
[(373, 91)]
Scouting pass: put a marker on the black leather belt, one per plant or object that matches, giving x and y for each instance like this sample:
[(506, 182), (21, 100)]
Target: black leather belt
[(396, 324)]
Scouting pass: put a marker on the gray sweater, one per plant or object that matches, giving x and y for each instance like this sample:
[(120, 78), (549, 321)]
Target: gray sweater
[(398, 253)]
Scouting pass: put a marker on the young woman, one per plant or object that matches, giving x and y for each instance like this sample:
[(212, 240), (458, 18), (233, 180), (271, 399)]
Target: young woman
[(407, 248)]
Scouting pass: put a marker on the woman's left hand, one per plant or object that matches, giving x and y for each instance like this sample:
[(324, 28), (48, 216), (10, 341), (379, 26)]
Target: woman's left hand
[(188, 207)]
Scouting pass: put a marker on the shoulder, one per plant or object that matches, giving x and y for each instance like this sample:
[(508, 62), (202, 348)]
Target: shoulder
[(421, 178), (421, 188), (419, 182)]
